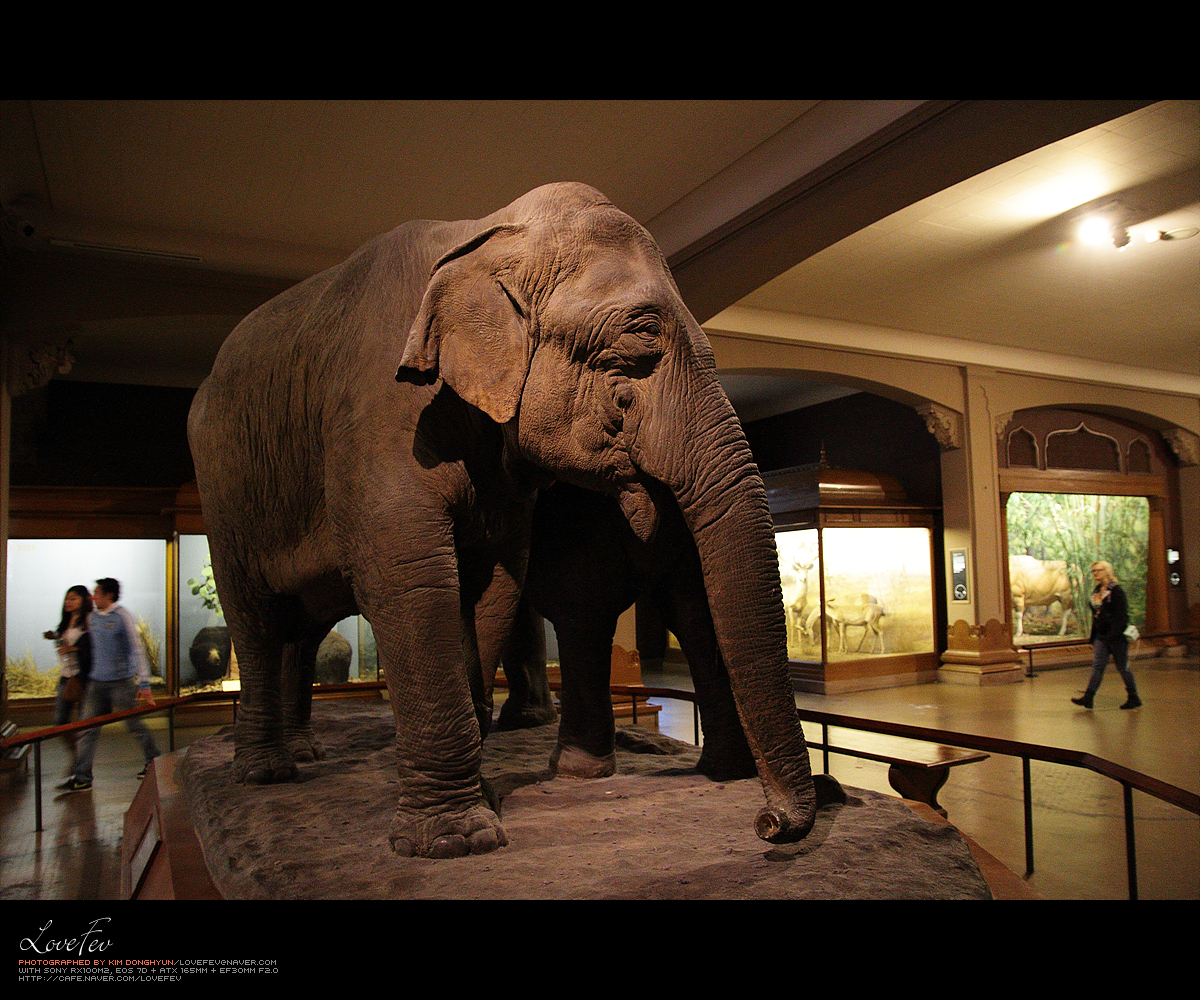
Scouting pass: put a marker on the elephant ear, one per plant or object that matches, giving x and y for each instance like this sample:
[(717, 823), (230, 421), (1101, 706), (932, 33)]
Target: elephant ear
[(471, 330)]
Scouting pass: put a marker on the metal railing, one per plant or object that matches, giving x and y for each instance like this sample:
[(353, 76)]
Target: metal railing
[(1030, 648), (1027, 752)]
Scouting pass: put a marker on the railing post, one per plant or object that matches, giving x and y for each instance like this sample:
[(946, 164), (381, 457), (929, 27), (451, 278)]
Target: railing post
[(696, 722), (1130, 849), (635, 709), (37, 784), (1028, 814), (825, 744)]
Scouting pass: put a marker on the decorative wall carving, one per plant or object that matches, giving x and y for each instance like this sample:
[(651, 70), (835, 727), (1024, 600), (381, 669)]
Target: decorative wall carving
[(1054, 439), (32, 365), (1082, 448), (1184, 444), (944, 424), (1023, 449)]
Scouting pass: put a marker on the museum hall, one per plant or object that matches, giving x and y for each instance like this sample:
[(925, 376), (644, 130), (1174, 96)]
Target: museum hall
[(961, 337)]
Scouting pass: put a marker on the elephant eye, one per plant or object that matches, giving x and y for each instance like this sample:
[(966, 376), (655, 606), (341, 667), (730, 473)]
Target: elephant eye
[(636, 352)]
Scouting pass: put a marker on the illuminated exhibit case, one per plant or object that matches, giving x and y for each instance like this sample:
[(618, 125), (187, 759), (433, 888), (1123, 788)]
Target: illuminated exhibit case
[(153, 542), (856, 569)]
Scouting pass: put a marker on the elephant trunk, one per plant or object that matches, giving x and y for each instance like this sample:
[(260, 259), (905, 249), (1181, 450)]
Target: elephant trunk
[(701, 453)]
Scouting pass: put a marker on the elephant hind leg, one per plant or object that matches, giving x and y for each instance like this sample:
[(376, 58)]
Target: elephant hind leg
[(270, 700), (587, 728), (530, 702), (299, 667)]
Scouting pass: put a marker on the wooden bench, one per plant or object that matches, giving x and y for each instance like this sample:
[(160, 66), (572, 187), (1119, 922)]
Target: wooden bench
[(13, 758), (918, 770)]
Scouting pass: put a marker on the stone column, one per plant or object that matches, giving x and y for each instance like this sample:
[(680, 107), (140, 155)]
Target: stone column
[(979, 644)]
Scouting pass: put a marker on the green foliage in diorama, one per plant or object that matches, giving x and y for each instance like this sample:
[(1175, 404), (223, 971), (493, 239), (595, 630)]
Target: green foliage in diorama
[(206, 589), (1081, 529)]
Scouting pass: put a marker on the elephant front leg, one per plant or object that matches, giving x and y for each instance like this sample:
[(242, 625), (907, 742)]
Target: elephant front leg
[(726, 755), (440, 812)]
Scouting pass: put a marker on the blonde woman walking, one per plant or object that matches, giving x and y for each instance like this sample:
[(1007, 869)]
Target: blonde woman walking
[(1110, 618)]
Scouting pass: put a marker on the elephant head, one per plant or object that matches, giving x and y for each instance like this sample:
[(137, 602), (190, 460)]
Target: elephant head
[(559, 319)]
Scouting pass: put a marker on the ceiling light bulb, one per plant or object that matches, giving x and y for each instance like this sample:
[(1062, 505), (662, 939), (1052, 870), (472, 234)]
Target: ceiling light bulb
[(1095, 231)]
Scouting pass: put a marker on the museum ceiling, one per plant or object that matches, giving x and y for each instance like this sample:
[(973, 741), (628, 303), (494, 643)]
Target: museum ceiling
[(954, 219)]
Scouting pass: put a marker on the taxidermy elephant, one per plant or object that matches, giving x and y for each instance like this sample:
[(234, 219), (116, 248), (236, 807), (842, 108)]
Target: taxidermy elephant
[(586, 567), (373, 440)]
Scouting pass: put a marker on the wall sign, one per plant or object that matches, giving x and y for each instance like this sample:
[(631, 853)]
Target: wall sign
[(960, 592)]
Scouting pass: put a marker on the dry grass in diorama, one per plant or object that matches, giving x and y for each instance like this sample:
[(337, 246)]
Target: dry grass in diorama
[(152, 647), (26, 681)]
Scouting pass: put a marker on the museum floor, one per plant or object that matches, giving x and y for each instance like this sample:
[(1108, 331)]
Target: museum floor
[(1077, 817)]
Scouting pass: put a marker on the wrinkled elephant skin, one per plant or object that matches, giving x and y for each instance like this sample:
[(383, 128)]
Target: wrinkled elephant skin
[(373, 440)]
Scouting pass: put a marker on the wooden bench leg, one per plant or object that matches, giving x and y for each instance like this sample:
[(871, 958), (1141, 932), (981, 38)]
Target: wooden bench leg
[(919, 783)]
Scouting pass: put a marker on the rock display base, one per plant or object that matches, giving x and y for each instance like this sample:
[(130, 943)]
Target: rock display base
[(655, 830)]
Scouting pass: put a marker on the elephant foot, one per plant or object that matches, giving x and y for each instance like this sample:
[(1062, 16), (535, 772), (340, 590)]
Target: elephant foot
[(263, 766), (571, 762), (475, 830), (829, 790), (304, 746), (515, 716), (723, 764)]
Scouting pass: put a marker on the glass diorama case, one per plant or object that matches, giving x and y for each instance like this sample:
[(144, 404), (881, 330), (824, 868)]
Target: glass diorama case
[(208, 659), (40, 571), (166, 583), (856, 570), (1053, 538), (1077, 487)]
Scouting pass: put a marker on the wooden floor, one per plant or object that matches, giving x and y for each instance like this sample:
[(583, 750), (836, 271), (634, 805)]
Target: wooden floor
[(1078, 819)]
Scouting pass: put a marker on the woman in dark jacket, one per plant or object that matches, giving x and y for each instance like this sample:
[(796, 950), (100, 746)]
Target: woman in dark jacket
[(74, 659), (1110, 618)]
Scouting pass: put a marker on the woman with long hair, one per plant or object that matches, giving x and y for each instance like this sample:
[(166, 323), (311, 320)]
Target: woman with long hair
[(74, 659), (1110, 619)]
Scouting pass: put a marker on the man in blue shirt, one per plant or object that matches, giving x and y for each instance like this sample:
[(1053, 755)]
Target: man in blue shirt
[(120, 677)]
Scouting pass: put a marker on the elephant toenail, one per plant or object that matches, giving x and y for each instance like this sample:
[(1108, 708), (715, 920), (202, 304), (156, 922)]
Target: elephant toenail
[(483, 841), (450, 846)]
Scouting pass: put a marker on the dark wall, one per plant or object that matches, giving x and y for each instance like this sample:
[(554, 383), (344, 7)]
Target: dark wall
[(100, 434), (862, 431)]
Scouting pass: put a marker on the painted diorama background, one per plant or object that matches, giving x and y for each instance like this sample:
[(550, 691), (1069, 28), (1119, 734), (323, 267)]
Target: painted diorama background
[(194, 615), (40, 570), (887, 567), (1081, 529)]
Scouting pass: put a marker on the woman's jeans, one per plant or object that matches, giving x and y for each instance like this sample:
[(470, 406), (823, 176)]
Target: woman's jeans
[(102, 698), (1119, 651), (63, 710)]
